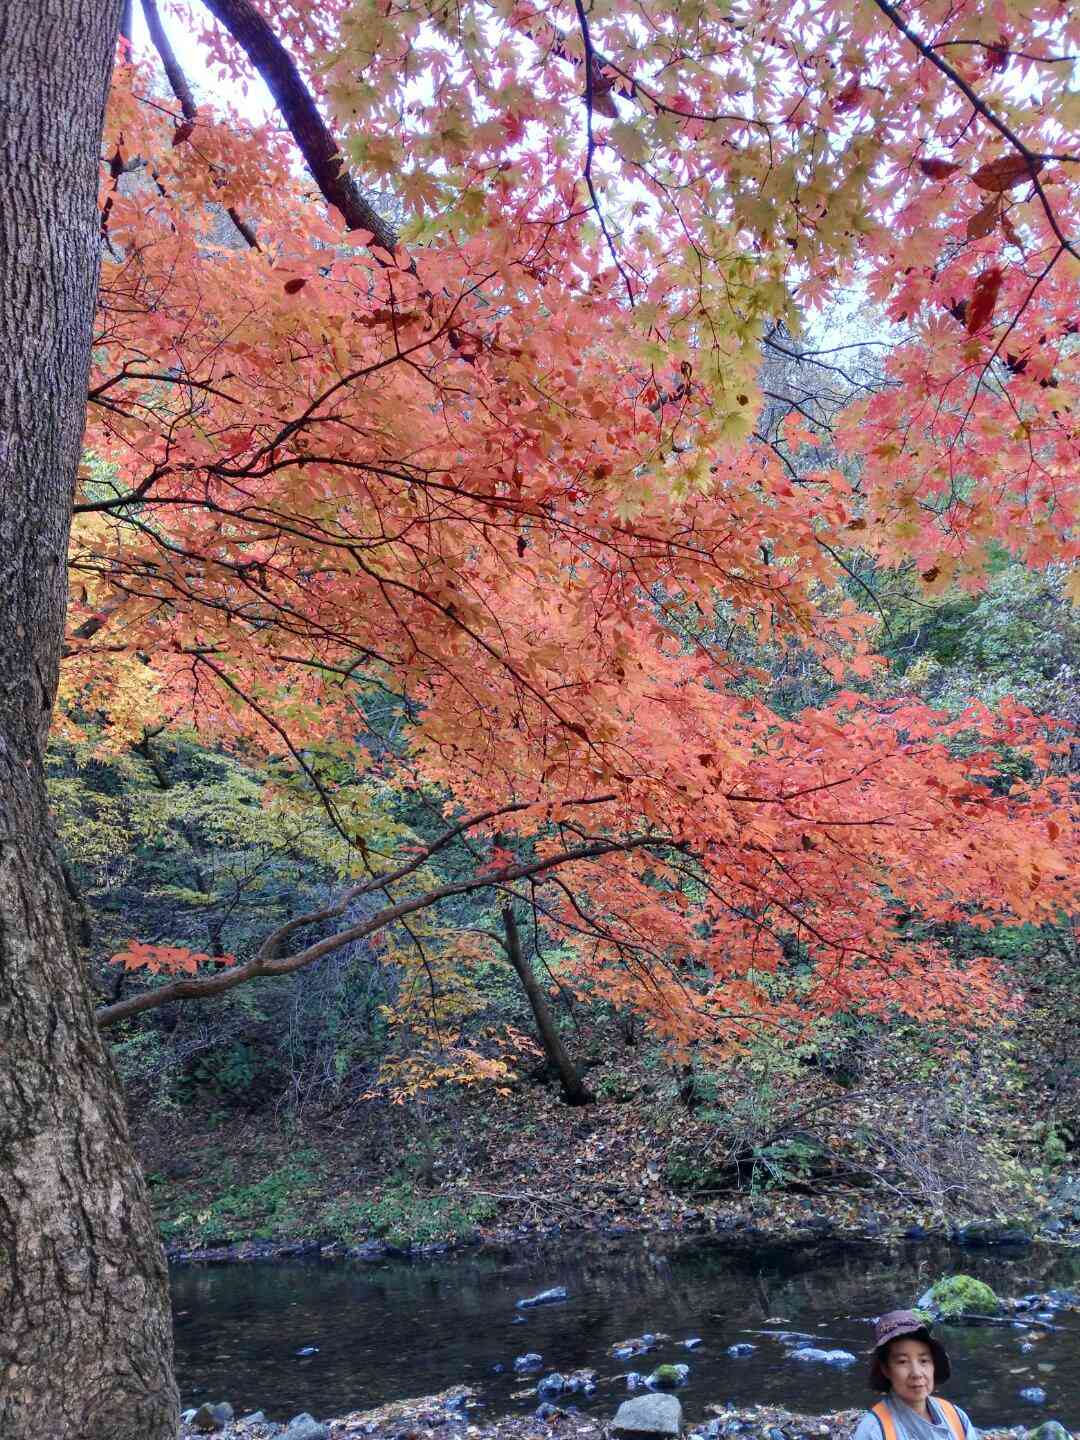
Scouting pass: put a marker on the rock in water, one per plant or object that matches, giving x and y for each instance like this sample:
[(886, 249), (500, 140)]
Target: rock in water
[(581, 1382), (742, 1348), (839, 1357), (530, 1361), (648, 1415), (1034, 1395), (666, 1377), (1049, 1430), (811, 1354), (959, 1295), (305, 1427), (546, 1297), (553, 1384), (209, 1419)]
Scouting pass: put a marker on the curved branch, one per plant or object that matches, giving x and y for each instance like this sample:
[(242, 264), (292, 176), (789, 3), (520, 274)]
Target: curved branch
[(267, 961), (1032, 157)]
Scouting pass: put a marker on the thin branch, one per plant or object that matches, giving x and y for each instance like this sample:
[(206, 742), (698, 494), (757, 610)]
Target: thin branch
[(317, 145), (268, 963), (182, 90), (1032, 157), (591, 71)]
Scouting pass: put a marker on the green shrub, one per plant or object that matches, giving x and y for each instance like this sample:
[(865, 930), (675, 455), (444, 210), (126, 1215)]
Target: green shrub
[(403, 1216)]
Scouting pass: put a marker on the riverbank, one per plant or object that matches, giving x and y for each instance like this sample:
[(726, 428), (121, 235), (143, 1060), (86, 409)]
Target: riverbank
[(372, 1180), (737, 1232), (451, 1416)]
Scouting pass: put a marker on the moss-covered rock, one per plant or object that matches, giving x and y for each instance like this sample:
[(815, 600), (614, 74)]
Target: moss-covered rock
[(959, 1295), (1049, 1430), (667, 1377)]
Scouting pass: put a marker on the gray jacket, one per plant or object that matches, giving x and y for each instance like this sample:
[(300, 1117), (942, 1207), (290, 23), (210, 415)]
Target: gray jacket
[(910, 1426)]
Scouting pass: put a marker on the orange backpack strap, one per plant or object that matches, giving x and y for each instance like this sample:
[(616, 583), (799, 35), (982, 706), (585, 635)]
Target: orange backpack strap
[(885, 1420), (952, 1415)]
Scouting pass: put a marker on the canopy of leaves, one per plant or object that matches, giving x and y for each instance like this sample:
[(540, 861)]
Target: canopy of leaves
[(464, 487)]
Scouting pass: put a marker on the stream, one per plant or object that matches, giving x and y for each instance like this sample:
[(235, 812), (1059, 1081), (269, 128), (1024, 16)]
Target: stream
[(396, 1329)]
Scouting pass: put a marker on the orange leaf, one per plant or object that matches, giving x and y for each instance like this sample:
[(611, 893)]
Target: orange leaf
[(849, 96), (983, 221), (938, 169), (1003, 174)]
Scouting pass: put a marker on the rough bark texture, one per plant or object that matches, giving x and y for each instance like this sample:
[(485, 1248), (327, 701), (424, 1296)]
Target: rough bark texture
[(573, 1087), (85, 1343)]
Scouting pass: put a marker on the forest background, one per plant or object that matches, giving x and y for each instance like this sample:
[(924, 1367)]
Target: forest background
[(547, 569), (459, 1059)]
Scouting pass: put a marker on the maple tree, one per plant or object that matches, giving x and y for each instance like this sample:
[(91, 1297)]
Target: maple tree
[(486, 463), (485, 466)]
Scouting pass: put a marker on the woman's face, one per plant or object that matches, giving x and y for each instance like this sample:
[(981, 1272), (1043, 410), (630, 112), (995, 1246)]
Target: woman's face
[(909, 1365)]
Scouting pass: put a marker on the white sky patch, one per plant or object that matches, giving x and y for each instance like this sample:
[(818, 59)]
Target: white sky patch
[(183, 25)]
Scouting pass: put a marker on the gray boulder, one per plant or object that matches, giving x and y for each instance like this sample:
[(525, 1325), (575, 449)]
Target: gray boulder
[(810, 1354), (553, 1384), (648, 1415), (529, 1361), (305, 1427), (1034, 1395), (1049, 1430), (743, 1347), (255, 1418)]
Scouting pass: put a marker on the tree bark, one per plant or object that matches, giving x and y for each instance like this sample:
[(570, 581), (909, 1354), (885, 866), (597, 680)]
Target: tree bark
[(573, 1087), (85, 1337)]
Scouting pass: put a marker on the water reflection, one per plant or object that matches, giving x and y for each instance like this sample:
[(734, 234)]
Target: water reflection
[(393, 1330)]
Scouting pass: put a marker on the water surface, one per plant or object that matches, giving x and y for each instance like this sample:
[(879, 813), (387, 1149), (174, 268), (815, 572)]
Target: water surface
[(396, 1329)]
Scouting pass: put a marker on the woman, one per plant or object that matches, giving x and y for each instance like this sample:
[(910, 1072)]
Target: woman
[(908, 1363)]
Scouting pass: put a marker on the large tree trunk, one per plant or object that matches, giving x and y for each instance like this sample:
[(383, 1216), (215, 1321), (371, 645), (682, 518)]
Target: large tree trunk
[(85, 1346), (573, 1087)]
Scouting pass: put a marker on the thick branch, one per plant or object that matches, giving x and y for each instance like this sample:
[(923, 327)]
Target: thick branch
[(268, 960), (572, 1084), (173, 73), (309, 130)]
